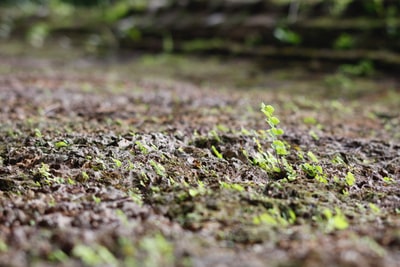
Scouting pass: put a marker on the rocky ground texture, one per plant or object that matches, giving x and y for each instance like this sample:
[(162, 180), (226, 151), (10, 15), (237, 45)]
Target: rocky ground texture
[(163, 161)]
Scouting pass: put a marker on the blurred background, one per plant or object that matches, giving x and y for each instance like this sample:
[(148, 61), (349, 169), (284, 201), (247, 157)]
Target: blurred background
[(363, 33)]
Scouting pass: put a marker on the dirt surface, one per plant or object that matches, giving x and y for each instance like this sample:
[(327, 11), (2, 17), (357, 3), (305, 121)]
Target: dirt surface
[(163, 161)]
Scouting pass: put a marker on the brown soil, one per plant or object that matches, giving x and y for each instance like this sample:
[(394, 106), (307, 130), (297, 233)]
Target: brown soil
[(112, 164)]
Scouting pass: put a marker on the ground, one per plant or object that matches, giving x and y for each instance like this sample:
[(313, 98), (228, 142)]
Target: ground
[(166, 160)]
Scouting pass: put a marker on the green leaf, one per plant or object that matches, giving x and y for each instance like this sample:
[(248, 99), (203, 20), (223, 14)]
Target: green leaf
[(193, 192), (339, 220), (60, 144), (374, 208), (274, 120), (117, 162), (312, 157), (216, 152), (279, 147), (268, 110), (277, 131), (264, 218), (350, 179)]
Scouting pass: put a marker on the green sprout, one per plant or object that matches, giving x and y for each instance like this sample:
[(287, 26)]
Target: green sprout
[(374, 208), (85, 176), (274, 131), (388, 180), (200, 190), (274, 162), (334, 222), (314, 171), (216, 152), (234, 187), (142, 147), (62, 143), (158, 168), (38, 133), (350, 179), (117, 162), (44, 170), (96, 200), (94, 255), (58, 256), (158, 251)]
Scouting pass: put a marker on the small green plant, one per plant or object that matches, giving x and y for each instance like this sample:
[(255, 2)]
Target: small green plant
[(136, 196), (200, 190), (234, 187), (332, 221), (275, 162), (275, 217), (85, 176), (158, 250), (117, 162), (335, 221), (374, 208), (142, 147), (96, 200), (350, 179), (274, 131), (158, 168), (314, 171), (44, 170), (62, 143), (388, 180), (215, 135), (94, 255), (38, 133), (312, 157), (216, 152), (58, 256)]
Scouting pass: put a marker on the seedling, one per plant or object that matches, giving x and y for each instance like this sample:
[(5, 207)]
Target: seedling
[(216, 152), (350, 179), (314, 171), (332, 222), (58, 256), (96, 200), (158, 168), (94, 255), (274, 131), (275, 217), (388, 180), (85, 176), (200, 190), (38, 133), (158, 250), (313, 134), (142, 147), (215, 135), (312, 157), (117, 162), (234, 187), (62, 143), (374, 208), (44, 170), (275, 163)]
